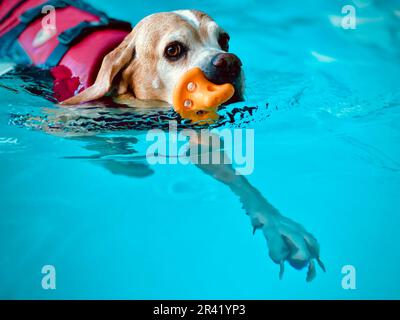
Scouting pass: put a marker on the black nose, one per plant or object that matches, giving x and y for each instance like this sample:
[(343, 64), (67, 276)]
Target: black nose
[(227, 67)]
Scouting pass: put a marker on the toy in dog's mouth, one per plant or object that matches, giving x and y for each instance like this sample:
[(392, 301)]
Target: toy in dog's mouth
[(198, 99)]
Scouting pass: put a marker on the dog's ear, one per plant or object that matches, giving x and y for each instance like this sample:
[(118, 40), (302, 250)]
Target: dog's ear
[(112, 64)]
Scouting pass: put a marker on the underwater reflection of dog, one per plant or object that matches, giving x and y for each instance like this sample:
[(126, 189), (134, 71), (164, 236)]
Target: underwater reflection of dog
[(185, 147)]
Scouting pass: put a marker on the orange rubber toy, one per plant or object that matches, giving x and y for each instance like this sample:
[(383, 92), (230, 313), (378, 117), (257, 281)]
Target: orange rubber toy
[(198, 99)]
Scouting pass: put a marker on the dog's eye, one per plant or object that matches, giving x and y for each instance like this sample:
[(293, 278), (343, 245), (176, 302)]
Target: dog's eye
[(223, 41), (174, 51)]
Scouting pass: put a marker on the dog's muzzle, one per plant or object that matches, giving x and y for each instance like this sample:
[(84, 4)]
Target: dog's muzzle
[(226, 68)]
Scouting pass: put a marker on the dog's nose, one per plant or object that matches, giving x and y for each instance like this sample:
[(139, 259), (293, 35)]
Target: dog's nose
[(228, 66)]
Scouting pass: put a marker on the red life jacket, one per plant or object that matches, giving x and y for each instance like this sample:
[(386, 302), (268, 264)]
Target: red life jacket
[(74, 54)]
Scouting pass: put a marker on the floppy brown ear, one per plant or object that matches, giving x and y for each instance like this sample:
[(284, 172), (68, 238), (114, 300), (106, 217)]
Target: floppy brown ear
[(111, 65)]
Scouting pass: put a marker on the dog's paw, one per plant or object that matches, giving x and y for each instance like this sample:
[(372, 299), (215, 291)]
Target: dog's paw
[(289, 241)]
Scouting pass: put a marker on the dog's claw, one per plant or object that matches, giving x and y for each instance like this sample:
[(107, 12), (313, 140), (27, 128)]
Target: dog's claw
[(292, 247), (311, 273), (312, 245), (256, 225), (321, 264), (281, 269)]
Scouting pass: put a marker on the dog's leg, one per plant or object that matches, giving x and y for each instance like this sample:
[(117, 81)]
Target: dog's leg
[(287, 240)]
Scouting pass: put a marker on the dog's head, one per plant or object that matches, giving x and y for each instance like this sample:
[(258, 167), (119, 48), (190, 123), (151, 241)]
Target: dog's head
[(159, 50)]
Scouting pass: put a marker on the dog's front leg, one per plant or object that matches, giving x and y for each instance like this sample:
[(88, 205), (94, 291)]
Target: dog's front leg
[(287, 240)]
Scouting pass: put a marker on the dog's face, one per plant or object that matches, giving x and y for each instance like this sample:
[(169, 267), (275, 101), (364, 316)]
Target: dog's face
[(159, 50)]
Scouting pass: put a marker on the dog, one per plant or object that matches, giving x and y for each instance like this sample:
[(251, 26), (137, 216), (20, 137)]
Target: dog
[(146, 65), (158, 51)]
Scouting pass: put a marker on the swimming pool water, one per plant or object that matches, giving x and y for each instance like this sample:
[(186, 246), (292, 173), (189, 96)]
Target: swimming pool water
[(327, 134)]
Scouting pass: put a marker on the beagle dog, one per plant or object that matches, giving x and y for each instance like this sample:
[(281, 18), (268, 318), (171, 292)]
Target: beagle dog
[(158, 51), (146, 66)]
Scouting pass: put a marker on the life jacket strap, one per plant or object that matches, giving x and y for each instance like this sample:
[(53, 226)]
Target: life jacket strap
[(71, 36)]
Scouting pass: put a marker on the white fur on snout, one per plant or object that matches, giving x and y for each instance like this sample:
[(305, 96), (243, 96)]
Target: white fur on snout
[(213, 31), (204, 57), (156, 83)]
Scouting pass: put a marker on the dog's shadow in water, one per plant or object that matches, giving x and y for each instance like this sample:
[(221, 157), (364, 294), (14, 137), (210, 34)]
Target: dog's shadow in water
[(108, 150), (287, 240)]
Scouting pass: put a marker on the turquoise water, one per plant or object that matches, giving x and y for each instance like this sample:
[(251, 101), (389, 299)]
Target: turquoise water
[(326, 155)]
